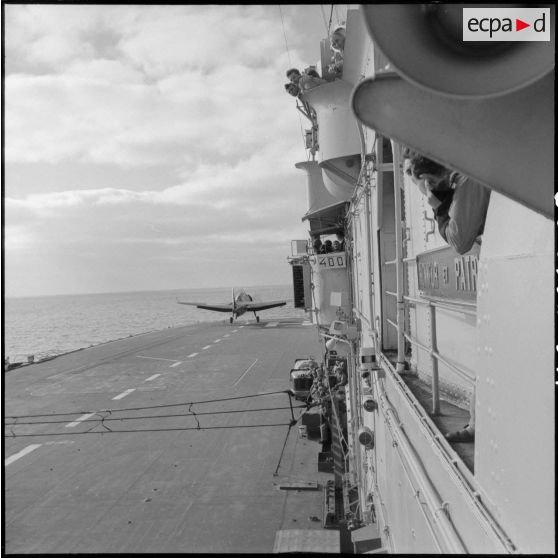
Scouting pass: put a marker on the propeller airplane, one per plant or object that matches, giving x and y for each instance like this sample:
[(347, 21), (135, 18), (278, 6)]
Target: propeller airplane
[(241, 303)]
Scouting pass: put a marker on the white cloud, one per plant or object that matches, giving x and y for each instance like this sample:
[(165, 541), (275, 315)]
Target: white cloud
[(196, 89), (87, 115)]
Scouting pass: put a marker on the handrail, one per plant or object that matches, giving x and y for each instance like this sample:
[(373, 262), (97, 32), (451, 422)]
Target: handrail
[(399, 272), (451, 307), (460, 372)]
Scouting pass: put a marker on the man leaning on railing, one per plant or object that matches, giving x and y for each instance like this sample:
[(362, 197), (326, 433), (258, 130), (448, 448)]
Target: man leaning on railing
[(460, 205)]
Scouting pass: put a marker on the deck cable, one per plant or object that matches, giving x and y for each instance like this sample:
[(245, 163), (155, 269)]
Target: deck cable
[(112, 431), (15, 417), (191, 413), (291, 424)]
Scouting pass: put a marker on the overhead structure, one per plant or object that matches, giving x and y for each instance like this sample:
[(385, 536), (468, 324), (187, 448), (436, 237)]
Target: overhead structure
[(455, 105)]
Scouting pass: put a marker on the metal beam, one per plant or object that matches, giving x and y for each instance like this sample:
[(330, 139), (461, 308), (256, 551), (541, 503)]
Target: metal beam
[(506, 142)]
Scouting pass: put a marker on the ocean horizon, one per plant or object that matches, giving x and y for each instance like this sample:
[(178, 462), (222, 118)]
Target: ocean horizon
[(51, 325)]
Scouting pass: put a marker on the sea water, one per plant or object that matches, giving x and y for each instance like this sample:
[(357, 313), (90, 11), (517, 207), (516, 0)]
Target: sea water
[(52, 325)]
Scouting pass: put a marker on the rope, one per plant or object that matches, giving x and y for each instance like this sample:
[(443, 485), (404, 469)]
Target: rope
[(284, 34), (153, 406), (293, 422), (323, 15), (190, 413), (290, 65), (106, 415), (108, 430)]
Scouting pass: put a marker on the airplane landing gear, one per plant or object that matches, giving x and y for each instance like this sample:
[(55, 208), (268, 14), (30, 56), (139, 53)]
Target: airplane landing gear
[(258, 319), (230, 320)]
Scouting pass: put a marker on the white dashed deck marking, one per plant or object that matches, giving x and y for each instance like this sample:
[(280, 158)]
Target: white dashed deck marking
[(156, 358), (226, 335), (272, 324), (124, 394), (21, 453), (175, 364), (193, 355), (151, 378), (206, 347), (80, 419), (216, 340)]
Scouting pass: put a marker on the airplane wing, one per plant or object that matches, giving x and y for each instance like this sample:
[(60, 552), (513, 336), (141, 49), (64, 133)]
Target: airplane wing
[(206, 306), (262, 305)]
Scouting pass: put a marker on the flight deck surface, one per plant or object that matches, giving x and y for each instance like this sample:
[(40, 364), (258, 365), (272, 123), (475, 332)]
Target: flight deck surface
[(119, 460)]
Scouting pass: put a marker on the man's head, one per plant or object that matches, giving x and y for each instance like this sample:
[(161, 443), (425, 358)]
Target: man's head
[(292, 89), (338, 38), (422, 168), (293, 75)]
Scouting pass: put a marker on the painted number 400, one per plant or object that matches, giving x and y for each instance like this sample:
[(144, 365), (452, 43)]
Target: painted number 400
[(331, 261)]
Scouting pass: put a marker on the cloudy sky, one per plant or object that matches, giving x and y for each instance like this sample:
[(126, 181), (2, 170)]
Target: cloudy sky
[(153, 147)]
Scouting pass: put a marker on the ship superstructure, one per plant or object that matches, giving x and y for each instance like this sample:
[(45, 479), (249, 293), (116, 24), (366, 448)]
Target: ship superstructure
[(432, 336)]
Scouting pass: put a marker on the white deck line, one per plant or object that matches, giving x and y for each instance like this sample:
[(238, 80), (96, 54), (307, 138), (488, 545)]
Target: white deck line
[(156, 358), (272, 324), (193, 355), (151, 378), (245, 372), (124, 394), (80, 419), (216, 340), (206, 347), (175, 364), (21, 453)]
